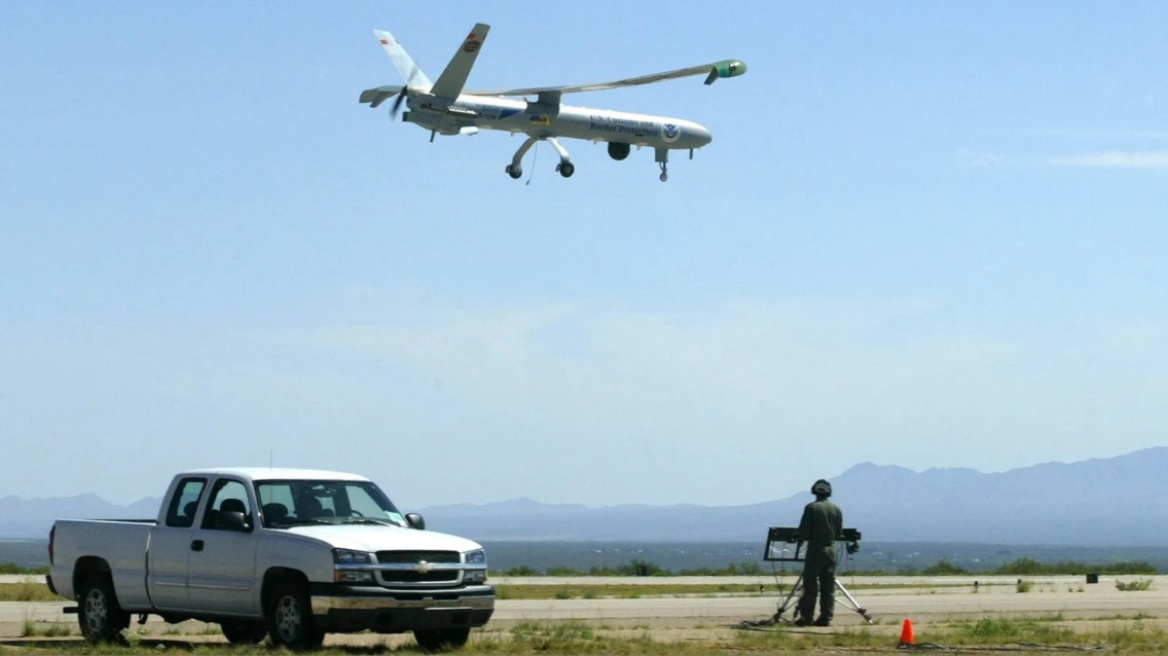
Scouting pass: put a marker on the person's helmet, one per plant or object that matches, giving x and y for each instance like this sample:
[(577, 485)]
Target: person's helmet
[(821, 488)]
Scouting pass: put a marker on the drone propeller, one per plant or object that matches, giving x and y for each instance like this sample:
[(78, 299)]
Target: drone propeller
[(397, 102), (405, 91)]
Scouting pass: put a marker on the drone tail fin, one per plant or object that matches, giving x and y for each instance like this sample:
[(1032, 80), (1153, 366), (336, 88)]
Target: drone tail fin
[(452, 80), (403, 62)]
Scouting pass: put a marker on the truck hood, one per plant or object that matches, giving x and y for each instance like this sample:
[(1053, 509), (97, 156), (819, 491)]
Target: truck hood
[(384, 538)]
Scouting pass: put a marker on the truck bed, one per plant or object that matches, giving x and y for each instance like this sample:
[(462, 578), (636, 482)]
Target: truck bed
[(119, 542)]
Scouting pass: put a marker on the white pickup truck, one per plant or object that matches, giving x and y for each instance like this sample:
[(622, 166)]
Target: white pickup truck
[(286, 553)]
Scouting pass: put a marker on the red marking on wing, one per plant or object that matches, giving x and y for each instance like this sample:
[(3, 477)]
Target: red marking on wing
[(384, 42)]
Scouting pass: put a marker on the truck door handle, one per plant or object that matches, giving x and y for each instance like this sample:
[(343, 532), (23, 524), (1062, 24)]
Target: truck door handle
[(197, 545)]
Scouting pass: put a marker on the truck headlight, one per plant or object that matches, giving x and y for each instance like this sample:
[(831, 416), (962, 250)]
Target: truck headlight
[(351, 557), (350, 566), (478, 558)]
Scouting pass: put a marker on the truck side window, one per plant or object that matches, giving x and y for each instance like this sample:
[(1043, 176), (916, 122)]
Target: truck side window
[(185, 502), (275, 502), (227, 495)]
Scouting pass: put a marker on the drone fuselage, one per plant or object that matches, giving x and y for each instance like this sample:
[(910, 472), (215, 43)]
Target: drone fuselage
[(469, 113)]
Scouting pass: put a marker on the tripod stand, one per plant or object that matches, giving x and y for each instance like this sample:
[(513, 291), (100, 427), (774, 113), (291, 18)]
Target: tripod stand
[(777, 536), (792, 599)]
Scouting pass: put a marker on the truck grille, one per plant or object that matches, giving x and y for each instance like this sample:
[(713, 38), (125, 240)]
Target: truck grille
[(414, 558)]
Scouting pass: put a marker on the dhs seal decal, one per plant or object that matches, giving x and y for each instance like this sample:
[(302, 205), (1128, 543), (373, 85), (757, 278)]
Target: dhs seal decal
[(670, 133)]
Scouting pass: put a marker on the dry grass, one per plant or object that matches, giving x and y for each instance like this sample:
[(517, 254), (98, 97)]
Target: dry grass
[(26, 592)]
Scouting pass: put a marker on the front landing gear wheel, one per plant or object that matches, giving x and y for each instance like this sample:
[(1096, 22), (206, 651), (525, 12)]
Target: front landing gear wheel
[(441, 639), (290, 622), (100, 616), (664, 177), (566, 169), (515, 172)]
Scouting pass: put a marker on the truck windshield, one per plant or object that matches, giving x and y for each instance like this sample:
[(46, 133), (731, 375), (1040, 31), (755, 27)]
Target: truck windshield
[(289, 503)]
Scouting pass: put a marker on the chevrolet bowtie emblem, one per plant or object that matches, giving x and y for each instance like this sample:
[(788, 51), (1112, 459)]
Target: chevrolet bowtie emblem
[(423, 567)]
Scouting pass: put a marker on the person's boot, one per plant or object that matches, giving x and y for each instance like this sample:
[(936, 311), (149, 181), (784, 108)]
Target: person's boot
[(822, 621)]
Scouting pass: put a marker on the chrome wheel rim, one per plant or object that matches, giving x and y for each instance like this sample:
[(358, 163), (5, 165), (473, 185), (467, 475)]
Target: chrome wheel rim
[(96, 612), (288, 618)]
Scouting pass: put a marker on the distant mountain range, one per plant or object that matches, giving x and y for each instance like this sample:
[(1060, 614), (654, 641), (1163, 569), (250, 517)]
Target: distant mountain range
[(32, 518), (1101, 502)]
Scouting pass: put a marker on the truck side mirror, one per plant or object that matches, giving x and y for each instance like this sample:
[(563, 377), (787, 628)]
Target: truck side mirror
[(227, 520), (415, 521)]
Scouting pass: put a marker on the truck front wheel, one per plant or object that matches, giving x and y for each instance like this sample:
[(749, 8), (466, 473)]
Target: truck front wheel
[(289, 616), (440, 639), (100, 616)]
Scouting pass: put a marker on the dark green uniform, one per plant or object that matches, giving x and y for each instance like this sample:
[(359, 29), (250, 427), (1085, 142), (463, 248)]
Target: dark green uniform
[(822, 525)]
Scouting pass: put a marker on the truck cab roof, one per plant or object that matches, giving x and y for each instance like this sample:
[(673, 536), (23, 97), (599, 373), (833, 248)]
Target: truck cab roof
[(273, 474)]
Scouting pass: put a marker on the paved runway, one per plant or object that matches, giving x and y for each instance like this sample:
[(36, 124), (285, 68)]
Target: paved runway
[(948, 598), (928, 600)]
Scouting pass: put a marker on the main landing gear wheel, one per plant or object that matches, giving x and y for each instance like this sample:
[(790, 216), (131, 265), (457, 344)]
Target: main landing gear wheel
[(566, 169), (664, 177), (515, 172)]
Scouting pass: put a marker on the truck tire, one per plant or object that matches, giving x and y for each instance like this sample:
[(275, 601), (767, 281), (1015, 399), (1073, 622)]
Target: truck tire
[(100, 616), (244, 632), (441, 639), (290, 622)]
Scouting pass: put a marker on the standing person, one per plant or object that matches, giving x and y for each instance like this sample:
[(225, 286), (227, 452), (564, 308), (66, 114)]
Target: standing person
[(821, 526)]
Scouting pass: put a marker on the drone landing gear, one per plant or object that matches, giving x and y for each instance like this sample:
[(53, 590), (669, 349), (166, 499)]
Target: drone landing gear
[(515, 168), (565, 167), (663, 162)]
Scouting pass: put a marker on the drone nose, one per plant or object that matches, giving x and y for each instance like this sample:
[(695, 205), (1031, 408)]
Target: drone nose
[(701, 136)]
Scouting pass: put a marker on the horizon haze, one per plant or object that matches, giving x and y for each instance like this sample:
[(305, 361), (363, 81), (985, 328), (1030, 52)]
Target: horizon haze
[(1071, 504)]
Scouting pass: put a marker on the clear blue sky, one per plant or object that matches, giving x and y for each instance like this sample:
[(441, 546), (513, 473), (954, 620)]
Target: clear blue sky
[(925, 234)]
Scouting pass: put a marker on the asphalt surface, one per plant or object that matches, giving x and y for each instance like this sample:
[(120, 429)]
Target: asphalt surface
[(924, 600)]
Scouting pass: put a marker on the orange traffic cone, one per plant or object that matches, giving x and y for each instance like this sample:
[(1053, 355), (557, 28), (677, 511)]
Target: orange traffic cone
[(906, 634)]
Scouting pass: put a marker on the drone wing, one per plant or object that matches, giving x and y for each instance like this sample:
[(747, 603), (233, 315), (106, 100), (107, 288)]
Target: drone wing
[(724, 68)]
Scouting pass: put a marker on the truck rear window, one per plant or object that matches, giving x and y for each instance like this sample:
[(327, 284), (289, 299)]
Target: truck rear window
[(185, 502)]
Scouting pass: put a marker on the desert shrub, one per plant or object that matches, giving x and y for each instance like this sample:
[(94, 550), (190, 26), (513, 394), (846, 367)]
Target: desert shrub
[(1136, 586), (944, 568)]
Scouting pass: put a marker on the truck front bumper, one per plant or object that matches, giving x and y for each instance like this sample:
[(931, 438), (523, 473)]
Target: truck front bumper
[(350, 608)]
